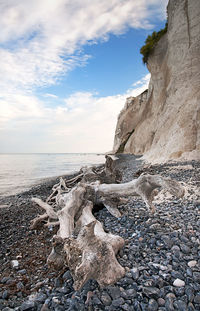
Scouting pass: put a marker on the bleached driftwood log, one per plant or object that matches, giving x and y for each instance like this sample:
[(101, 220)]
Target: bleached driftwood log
[(81, 244)]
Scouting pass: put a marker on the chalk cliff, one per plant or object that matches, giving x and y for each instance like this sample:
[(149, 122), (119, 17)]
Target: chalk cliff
[(164, 122)]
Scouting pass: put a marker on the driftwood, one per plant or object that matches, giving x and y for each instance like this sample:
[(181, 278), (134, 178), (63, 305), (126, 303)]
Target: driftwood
[(81, 244)]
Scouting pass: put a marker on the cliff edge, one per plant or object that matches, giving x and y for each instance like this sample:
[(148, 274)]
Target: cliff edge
[(164, 122)]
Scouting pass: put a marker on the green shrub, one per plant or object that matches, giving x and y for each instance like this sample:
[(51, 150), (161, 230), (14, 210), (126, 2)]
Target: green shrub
[(150, 43)]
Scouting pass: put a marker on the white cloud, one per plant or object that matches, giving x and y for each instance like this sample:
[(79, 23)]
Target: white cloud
[(41, 40), (83, 123)]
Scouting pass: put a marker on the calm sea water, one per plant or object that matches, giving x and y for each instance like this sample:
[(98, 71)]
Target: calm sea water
[(19, 172)]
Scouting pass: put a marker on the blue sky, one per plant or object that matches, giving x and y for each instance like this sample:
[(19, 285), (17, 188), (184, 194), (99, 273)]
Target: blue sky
[(67, 68)]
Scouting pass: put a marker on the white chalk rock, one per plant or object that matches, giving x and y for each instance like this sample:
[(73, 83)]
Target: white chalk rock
[(178, 283), (192, 263), (15, 264)]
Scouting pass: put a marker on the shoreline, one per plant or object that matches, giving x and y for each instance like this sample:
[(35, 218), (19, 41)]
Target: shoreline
[(150, 245)]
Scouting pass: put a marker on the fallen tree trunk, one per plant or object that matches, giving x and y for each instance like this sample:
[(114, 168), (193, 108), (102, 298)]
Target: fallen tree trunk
[(81, 244)]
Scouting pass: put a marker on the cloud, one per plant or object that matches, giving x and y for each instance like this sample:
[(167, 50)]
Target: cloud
[(42, 40), (83, 123)]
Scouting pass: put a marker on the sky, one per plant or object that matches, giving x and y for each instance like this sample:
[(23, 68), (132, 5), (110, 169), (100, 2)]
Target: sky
[(66, 69)]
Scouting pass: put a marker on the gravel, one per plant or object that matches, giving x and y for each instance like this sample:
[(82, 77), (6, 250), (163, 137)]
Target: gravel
[(159, 250)]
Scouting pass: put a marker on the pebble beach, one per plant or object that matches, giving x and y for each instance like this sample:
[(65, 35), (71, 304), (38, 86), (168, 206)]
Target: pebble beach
[(161, 253)]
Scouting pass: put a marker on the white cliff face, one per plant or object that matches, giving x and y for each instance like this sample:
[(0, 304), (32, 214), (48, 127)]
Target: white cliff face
[(165, 124)]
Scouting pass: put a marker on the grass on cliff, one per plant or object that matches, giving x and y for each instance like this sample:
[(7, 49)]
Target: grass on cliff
[(150, 43)]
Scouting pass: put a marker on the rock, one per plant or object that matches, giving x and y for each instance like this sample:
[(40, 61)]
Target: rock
[(20, 285), (196, 276), (191, 307), (118, 302), (15, 264), (180, 305), (126, 307), (96, 300), (192, 263), (197, 298), (169, 305), (130, 293), (27, 305), (178, 283), (67, 275), (23, 271), (135, 273), (161, 301), (45, 307), (151, 292), (189, 291), (152, 305), (176, 275), (5, 294), (105, 298), (185, 249), (40, 297), (167, 137), (179, 291), (114, 292)]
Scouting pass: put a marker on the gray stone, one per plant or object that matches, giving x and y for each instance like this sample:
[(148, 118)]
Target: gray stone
[(185, 249), (189, 291), (114, 292), (67, 275), (180, 305), (105, 298), (126, 307), (169, 305), (196, 276), (153, 305), (129, 293), (23, 271), (118, 302), (27, 305), (191, 307), (41, 297), (20, 285), (96, 300), (5, 294), (161, 301), (135, 273), (151, 292), (197, 298)]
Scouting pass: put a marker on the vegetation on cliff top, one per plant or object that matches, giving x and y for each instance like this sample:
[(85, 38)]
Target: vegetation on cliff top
[(150, 43)]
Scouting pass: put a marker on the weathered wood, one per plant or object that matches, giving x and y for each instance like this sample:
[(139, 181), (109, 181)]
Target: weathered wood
[(81, 244)]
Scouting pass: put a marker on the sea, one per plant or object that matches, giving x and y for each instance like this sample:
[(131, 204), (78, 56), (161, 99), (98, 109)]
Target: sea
[(19, 172)]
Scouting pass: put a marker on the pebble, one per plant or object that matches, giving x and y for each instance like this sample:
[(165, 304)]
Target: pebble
[(151, 292), (158, 250), (178, 283), (14, 264), (135, 273), (161, 301), (180, 305), (106, 299), (152, 305), (196, 276), (23, 271), (192, 263), (197, 298), (27, 305), (5, 294), (118, 302)]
